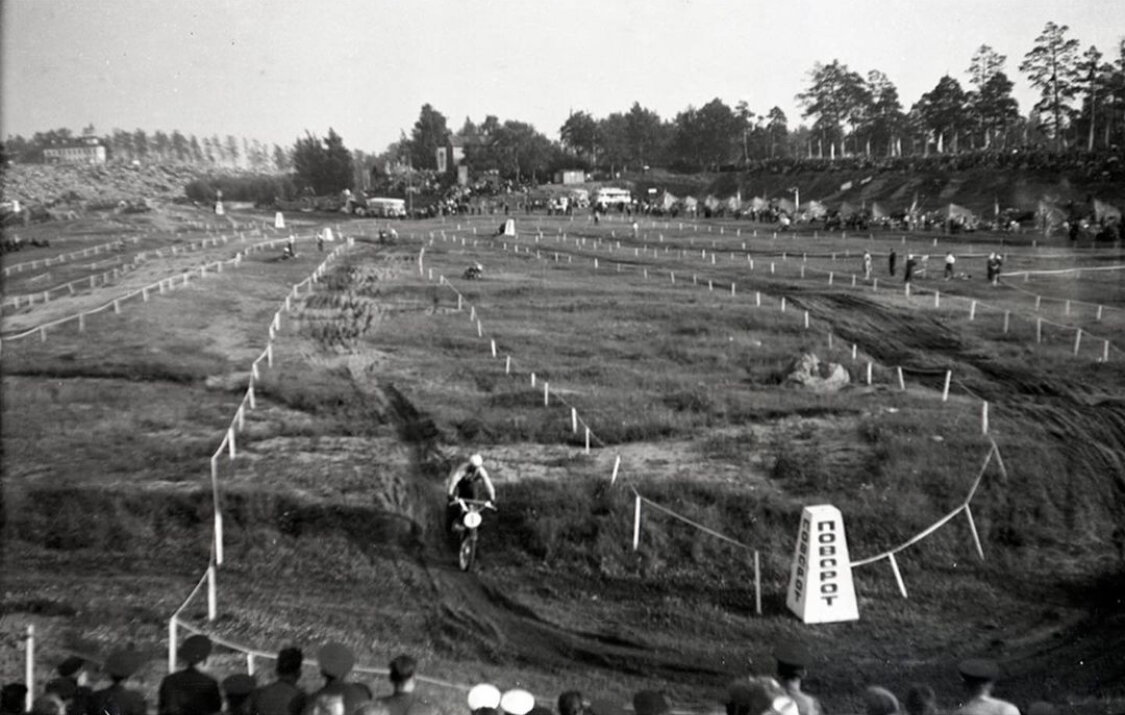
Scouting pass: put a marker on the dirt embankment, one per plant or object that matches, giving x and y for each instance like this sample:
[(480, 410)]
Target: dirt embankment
[(978, 189)]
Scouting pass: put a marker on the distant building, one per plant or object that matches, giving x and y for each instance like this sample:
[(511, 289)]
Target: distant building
[(451, 156), (570, 176), (80, 151)]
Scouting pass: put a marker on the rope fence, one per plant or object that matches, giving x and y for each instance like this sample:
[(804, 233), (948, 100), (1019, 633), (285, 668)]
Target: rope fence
[(639, 499), (159, 287), (228, 444)]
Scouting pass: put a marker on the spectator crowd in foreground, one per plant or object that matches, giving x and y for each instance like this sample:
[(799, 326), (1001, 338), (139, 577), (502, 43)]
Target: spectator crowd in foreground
[(192, 691)]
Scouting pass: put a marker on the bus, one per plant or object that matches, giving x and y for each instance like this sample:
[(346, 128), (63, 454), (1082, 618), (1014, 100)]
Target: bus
[(609, 196), (385, 208)]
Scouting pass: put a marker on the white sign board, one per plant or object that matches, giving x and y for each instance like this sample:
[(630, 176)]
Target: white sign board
[(821, 589), (510, 227), (278, 220), (219, 208)]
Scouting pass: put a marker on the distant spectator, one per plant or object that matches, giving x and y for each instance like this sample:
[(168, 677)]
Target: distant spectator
[(116, 698), (950, 260), (921, 700), (571, 703), (880, 701), (979, 675), (283, 696), (72, 685), (866, 265), (13, 699), (758, 695), (403, 700), (911, 264), (996, 269), (48, 704), (792, 663), (189, 691), (336, 662), (891, 261), (237, 690)]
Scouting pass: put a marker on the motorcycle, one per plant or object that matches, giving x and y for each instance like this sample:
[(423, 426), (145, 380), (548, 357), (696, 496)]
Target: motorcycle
[(468, 525)]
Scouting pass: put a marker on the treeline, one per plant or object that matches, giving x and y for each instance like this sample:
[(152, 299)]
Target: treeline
[(174, 146), (243, 169), (1081, 105)]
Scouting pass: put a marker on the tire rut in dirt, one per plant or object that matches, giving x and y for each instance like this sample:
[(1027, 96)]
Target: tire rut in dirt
[(476, 620)]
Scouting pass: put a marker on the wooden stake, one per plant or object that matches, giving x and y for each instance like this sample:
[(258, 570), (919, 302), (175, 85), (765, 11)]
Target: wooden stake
[(636, 524), (898, 575)]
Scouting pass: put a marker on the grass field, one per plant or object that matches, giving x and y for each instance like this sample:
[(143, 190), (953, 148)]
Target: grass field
[(381, 382)]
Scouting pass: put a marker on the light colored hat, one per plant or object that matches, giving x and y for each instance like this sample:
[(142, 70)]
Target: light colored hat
[(484, 696), (517, 702)]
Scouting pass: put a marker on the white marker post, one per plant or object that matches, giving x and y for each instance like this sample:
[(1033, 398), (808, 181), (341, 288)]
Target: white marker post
[(636, 526), (29, 664), (172, 645), (821, 589)]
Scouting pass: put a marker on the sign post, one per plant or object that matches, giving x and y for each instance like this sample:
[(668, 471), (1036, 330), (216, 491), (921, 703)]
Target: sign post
[(821, 589)]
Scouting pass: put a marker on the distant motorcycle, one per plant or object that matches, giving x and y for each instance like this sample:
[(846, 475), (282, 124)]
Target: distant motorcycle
[(468, 525), (474, 272)]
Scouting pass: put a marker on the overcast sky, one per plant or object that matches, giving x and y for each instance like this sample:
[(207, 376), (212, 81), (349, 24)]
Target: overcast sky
[(270, 69)]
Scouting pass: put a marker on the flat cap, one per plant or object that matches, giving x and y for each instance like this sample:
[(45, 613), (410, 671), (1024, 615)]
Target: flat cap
[(792, 653), (123, 663), (335, 659), (650, 702), (70, 666), (979, 669), (239, 684), (196, 648)]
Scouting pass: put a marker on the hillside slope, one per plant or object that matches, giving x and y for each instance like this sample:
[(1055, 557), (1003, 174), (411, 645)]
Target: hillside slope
[(977, 189)]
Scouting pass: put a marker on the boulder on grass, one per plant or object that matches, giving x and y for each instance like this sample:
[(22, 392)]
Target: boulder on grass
[(809, 372)]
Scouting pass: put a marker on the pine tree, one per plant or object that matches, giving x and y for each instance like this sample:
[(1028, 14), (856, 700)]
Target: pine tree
[(1051, 67)]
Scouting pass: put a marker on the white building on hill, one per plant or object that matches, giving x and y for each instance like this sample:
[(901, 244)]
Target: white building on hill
[(82, 151)]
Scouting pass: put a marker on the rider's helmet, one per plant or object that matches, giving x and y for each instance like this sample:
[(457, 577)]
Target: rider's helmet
[(477, 461)]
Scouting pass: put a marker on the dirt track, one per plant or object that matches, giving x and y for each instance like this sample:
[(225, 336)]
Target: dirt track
[(482, 617)]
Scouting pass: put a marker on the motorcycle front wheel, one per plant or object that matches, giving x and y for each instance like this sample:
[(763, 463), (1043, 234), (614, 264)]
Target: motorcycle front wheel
[(468, 552)]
